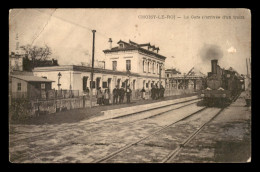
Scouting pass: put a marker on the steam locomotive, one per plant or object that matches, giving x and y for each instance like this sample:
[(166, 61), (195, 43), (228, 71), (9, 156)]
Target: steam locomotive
[(222, 86)]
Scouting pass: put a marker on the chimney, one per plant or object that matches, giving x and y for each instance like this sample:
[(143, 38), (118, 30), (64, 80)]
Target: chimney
[(110, 43), (214, 64)]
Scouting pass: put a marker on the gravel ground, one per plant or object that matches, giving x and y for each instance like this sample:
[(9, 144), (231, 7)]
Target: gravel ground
[(227, 139), (96, 141)]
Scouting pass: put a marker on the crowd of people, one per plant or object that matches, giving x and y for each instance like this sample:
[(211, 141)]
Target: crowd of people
[(120, 93), (157, 93)]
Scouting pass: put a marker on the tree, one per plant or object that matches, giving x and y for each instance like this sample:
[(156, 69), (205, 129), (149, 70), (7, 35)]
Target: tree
[(36, 53)]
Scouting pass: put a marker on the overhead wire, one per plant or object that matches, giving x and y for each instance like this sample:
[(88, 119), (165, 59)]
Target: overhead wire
[(74, 23), (43, 27)]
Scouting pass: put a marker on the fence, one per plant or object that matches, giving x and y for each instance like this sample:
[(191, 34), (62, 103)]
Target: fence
[(137, 94), (46, 95), (23, 107), (61, 100), (19, 95)]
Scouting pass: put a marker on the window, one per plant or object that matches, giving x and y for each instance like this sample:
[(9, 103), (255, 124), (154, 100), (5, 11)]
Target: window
[(93, 84), (42, 86), (148, 67), (153, 68), (19, 86), (85, 81), (16, 65), (121, 45), (128, 64), (168, 75), (104, 85), (114, 65)]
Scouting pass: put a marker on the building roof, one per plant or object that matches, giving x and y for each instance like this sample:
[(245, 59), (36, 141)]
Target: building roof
[(21, 73), (192, 74), (85, 69), (82, 69), (31, 78), (134, 46), (13, 55), (172, 71)]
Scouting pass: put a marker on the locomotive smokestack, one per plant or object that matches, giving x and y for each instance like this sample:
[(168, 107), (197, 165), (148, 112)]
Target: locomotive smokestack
[(214, 66)]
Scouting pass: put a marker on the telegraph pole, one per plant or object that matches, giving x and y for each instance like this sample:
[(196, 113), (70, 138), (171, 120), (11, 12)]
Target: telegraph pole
[(246, 67), (249, 66), (160, 73), (92, 67)]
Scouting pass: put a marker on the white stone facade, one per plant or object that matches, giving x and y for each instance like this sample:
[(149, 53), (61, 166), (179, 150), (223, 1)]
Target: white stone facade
[(139, 75)]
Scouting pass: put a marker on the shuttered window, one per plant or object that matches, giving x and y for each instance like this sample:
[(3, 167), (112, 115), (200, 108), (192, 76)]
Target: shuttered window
[(128, 64), (19, 86), (114, 63)]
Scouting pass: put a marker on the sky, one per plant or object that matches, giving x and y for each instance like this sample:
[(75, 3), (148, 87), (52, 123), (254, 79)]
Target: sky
[(183, 35)]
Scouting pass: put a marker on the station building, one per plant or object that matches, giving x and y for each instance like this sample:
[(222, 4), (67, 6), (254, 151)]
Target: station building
[(32, 87), (15, 62), (129, 63)]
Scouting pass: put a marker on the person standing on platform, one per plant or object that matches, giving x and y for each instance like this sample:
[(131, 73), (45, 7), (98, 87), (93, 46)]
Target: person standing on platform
[(87, 91), (157, 92), (162, 91), (128, 94), (99, 96), (153, 92), (106, 97), (121, 95), (115, 95), (143, 93)]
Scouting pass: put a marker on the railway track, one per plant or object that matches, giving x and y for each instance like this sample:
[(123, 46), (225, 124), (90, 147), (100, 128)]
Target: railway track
[(52, 133), (175, 152), (172, 154), (113, 154), (39, 150)]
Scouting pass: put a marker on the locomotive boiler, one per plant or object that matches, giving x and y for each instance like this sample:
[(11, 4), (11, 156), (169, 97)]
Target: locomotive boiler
[(222, 86)]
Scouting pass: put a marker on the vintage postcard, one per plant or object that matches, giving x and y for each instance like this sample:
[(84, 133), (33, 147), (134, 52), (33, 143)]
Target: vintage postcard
[(126, 85)]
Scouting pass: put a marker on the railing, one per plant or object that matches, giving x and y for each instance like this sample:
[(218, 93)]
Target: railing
[(58, 100), (66, 93), (19, 95), (137, 94), (46, 95)]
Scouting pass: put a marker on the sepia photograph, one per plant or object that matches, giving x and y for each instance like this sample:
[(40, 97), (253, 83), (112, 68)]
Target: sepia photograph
[(129, 85)]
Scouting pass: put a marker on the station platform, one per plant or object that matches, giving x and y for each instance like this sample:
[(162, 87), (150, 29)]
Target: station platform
[(114, 113)]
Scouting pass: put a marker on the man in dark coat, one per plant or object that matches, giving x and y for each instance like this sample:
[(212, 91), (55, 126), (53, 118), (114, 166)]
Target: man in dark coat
[(99, 96), (162, 91), (157, 92), (153, 92), (121, 95), (143, 93), (115, 95), (128, 94)]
